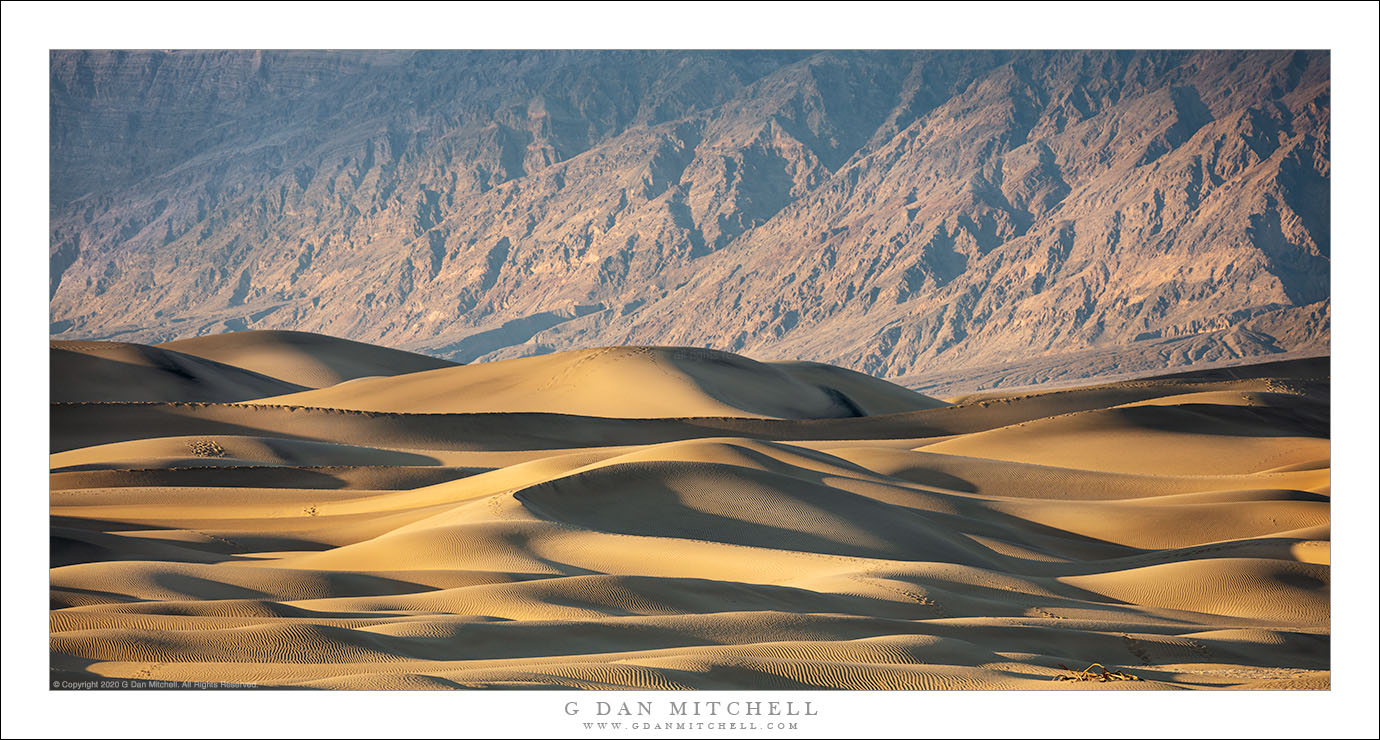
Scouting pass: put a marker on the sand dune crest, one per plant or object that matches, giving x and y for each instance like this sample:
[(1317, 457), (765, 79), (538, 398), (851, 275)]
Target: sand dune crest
[(661, 518)]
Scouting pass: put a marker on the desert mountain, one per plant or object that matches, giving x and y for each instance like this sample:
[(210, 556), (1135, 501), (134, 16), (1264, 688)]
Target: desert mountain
[(906, 214)]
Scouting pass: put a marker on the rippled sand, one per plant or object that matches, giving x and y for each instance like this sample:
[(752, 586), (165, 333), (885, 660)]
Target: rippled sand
[(294, 511)]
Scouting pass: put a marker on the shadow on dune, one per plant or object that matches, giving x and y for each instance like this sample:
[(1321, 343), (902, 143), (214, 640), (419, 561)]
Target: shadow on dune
[(742, 506), (1306, 419), (78, 425), (158, 375), (71, 546), (197, 477), (376, 477), (223, 545), (929, 477)]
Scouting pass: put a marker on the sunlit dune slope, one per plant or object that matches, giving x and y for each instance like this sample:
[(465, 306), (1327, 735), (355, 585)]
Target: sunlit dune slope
[(653, 518), (626, 382), (302, 358)]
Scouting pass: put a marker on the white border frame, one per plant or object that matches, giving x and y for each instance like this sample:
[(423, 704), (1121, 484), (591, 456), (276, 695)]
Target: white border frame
[(1348, 30)]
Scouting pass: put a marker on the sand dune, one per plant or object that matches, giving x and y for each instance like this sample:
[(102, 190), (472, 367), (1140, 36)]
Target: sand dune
[(302, 358), (626, 382), (117, 371), (653, 518)]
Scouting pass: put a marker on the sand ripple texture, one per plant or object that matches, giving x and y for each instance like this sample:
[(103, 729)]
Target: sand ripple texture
[(727, 524)]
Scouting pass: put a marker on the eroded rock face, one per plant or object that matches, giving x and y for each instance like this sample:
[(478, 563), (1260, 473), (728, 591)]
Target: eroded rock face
[(897, 213)]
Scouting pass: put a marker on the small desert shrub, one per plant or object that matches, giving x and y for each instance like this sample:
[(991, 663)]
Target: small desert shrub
[(206, 448), (1088, 674)]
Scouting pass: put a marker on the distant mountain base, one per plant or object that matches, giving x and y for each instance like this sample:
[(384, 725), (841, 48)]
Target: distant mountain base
[(1241, 345), (1047, 373)]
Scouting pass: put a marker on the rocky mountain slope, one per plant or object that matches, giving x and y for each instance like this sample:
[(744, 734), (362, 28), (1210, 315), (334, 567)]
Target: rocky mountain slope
[(899, 213)]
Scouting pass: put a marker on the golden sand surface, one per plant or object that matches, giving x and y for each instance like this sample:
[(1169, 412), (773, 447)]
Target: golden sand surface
[(321, 514)]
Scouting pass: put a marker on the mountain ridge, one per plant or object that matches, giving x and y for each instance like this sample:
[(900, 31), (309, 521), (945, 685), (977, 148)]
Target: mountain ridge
[(897, 213)]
